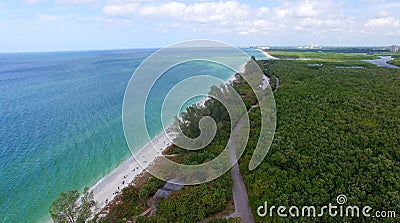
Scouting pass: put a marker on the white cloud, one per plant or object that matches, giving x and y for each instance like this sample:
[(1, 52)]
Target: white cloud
[(170, 9), (306, 9), (202, 12), (260, 23), (309, 16), (120, 10), (220, 16), (289, 17), (384, 22)]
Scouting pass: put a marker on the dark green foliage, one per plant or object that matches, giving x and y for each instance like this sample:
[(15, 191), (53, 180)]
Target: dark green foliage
[(150, 188), (63, 208), (321, 56), (395, 62), (131, 201), (245, 91), (128, 205), (68, 208), (337, 133), (140, 219), (194, 203), (218, 220)]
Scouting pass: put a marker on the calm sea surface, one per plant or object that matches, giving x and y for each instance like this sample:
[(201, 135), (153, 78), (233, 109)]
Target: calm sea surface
[(61, 122)]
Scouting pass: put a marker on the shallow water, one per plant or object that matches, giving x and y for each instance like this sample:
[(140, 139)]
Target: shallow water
[(61, 122), (382, 62)]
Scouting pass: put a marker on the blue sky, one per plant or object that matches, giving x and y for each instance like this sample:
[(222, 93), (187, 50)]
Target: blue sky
[(53, 25)]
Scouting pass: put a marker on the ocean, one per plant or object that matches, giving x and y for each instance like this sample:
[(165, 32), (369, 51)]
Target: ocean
[(61, 126)]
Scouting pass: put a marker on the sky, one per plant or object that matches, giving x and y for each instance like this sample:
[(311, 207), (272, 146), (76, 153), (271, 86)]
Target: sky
[(59, 25)]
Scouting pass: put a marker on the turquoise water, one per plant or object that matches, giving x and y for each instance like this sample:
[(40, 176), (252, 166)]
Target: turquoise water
[(61, 122)]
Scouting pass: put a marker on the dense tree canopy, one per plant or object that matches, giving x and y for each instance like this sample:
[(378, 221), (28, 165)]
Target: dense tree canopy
[(337, 133)]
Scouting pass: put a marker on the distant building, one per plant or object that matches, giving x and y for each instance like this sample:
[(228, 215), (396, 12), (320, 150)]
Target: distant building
[(312, 46), (394, 48)]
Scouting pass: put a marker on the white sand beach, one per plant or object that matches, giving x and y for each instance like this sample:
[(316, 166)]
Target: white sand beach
[(112, 184), (109, 186), (267, 54)]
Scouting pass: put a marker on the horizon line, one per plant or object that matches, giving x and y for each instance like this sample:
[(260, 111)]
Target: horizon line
[(316, 47)]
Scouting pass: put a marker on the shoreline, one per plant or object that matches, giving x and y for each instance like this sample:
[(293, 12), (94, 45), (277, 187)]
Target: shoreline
[(267, 55), (108, 187), (383, 62)]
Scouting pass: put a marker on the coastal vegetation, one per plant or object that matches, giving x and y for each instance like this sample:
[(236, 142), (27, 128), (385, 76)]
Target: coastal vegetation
[(72, 207), (342, 50), (322, 56), (210, 200), (192, 203), (337, 134), (396, 60), (131, 202), (394, 55)]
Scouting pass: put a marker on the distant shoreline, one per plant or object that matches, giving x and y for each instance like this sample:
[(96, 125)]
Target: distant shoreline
[(267, 55), (383, 62)]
